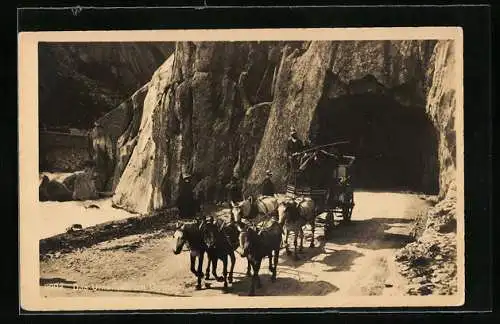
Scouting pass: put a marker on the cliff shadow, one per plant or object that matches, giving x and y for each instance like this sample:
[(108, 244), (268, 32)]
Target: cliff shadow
[(283, 286)]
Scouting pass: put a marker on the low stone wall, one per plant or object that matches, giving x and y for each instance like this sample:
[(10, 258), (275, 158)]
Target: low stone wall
[(71, 240), (62, 152)]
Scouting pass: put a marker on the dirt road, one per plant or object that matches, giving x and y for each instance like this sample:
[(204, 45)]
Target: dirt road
[(356, 260)]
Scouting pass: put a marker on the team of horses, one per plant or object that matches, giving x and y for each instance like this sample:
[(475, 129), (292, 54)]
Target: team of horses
[(257, 228)]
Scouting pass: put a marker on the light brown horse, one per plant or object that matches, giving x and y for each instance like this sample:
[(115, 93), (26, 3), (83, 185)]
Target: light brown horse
[(294, 214), (251, 208)]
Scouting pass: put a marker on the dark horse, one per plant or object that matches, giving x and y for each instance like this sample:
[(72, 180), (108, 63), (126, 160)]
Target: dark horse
[(255, 245), (191, 234), (221, 240)]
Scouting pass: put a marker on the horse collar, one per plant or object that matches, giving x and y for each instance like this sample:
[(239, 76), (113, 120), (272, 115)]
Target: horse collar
[(265, 207)]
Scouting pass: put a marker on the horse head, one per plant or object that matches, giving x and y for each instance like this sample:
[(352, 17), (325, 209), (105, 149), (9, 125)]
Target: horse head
[(241, 210), (246, 233), (180, 237)]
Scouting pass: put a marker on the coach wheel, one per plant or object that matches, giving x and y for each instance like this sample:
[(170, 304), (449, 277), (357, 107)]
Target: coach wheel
[(346, 213), (329, 221)]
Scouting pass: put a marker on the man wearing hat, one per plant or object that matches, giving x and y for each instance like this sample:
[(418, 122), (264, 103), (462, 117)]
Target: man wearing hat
[(185, 200), (294, 145), (268, 185)]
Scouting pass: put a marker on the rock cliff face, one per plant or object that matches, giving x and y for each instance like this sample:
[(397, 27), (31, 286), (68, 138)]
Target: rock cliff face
[(437, 244), (214, 109), (309, 80), (191, 119), (441, 107), (80, 82)]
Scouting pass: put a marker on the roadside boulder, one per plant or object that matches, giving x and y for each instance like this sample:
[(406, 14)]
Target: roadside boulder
[(52, 190), (43, 195), (69, 181)]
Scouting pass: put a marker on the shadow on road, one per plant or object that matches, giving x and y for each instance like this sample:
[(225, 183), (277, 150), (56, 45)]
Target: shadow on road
[(283, 286), (304, 257), (340, 260), (371, 234)]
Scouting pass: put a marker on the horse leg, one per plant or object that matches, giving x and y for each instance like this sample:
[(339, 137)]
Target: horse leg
[(214, 269), (224, 271), (295, 237), (207, 271), (258, 263), (313, 228), (233, 262), (192, 261), (301, 236), (287, 233), (200, 271), (271, 262), (275, 265), (252, 284), (249, 273)]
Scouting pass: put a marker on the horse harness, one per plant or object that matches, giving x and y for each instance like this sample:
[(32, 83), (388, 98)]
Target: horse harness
[(266, 210)]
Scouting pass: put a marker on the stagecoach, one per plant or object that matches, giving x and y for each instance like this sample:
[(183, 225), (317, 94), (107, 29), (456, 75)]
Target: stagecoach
[(323, 174)]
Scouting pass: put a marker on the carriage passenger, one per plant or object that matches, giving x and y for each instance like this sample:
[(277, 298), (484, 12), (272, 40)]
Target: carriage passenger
[(294, 145), (186, 202)]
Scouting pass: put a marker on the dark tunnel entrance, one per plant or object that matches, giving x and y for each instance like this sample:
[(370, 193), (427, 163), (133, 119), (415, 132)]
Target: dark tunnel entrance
[(395, 146)]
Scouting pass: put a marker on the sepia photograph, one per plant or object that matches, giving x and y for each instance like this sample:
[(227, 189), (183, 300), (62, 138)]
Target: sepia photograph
[(241, 169)]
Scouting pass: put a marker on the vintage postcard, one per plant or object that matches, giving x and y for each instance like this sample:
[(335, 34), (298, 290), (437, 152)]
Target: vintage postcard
[(241, 169)]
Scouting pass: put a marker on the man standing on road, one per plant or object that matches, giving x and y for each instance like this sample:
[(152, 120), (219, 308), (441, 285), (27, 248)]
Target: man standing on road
[(185, 201), (268, 185)]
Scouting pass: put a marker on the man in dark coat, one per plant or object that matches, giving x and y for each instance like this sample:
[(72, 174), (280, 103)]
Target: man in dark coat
[(267, 185), (294, 145), (186, 201), (234, 190)]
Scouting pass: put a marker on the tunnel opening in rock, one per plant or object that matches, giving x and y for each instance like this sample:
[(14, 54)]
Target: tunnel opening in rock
[(395, 146)]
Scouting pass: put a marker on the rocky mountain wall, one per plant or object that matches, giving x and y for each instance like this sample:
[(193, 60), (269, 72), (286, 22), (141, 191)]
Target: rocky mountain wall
[(192, 116), (308, 79), (441, 108), (215, 109), (80, 82)]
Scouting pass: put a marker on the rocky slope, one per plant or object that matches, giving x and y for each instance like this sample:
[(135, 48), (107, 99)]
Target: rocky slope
[(81, 82), (431, 261)]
